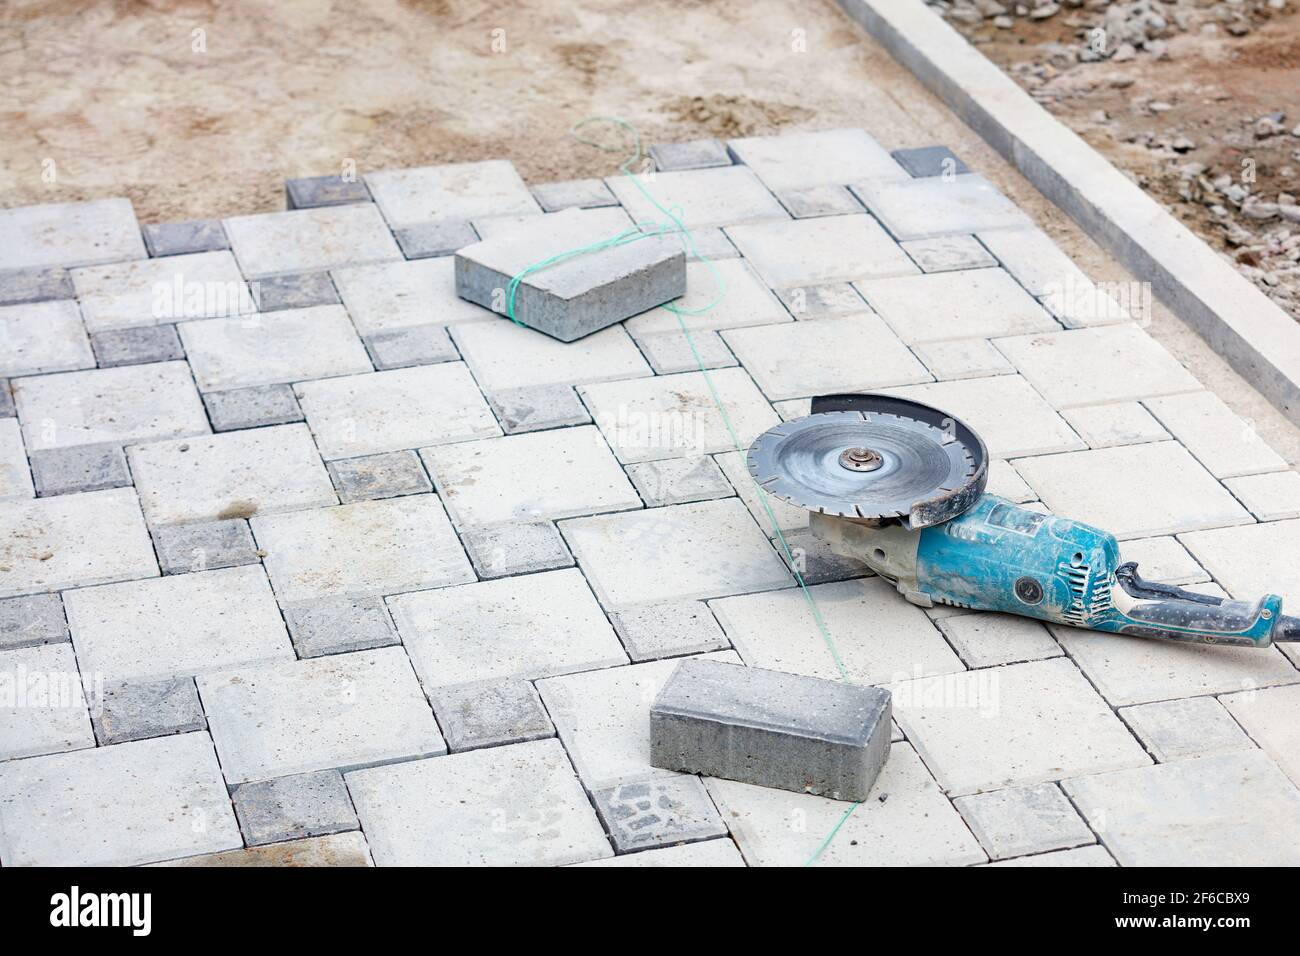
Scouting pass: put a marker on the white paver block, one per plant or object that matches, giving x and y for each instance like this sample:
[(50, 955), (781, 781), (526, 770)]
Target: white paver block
[(1089, 856), (15, 475), (978, 303), (1135, 491), (1272, 718), (343, 710), (43, 708), (127, 404), (989, 640), (1270, 497), (788, 517), (176, 626), (69, 234), (721, 196), (460, 191), (47, 544), (1012, 726), (1163, 560), (806, 252), (1231, 810), (534, 625), (153, 291), (547, 475), (847, 353), (1038, 264), (361, 550), (1226, 445), (682, 552), (1191, 727), (43, 337), (730, 295), (940, 206), (504, 806), (310, 240), (948, 253), (123, 805), (1251, 561), (390, 411), (962, 358), (1123, 423), (710, 853), (402, 295), (504, 355), (834, 157), (1024, 820)]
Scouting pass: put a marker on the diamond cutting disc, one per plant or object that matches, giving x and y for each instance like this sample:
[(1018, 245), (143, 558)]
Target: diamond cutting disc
[(872, 458)]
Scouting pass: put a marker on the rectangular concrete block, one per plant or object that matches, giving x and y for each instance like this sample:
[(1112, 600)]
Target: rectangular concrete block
[(69, 234), (772, 729), (579, 295)]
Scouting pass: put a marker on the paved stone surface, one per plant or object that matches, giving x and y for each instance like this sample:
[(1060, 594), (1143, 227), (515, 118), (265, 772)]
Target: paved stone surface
[(69, 234), (537, 408), (955, 305), (1089, 856), (252, 407), (43, 337), (948, 253), (657, 813), (460, 191), (831, 157), (990, 640), (1163, 560), (155, 291), (399, 295), (389, 475), (962, 358), (707, 197), (312, 191), (35, 619), (1105, 426), (426, 240), (929, 161), (334, 850), (36, 284), (503, 356), (674, 481), (1227, 446), (309, 240), (811, 202), (707, 853), (1250, 561), (1024, 820), (7, 409), (1188, 727), (516, 548), (573, 194), (303, 291), (339, 626), (671, 352), (490, 713), (836, 298), (204, 546), (668, 630), (939, 206), (182, 238), (15, 473), (746, 301), (1269, 716), (137, 346), (139, 710), (692, 154), (63, 471), (818, 251), (814, 560), (1269, 497), (402, 348), (788, 517), (43, 709), (479, 808), (290, 808)]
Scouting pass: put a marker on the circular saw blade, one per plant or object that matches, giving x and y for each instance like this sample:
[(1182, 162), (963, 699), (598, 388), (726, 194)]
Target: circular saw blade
[(925, 467)]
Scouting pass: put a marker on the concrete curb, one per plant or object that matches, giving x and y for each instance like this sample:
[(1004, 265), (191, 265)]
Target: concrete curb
[(1259, 340)]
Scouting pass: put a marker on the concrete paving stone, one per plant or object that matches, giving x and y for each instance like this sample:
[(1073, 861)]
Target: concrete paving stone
[(1012, 726), (672, 352), (37, 284), (710, 243), (1078, 367), (1007, 413), (570, 472), (976, 303), (1111, 488), (503, 355), (310, 240), (31, 620), (335, 850), (770, 728), (399, 295), (388, 475), (706, 853), (44, 709), (924, 161), (131, 403), (310, 192), (663, 811), (520, 548), (613, 220), (504, 806), (814, 560), (833, 157), (204, 546), (808, 252), (789, 518), (682, 552), (1005, 482), (43, 337), (69, 234), (877, 635), (537, 408), (137, 346), (294, 291), (692, 154), (1226, 445), (47, 544), (232, 475), (184, 237), (7, 409), (139, 710), (811, 302), (670, 416), (811, 202), (674, 481), (1270, 497), (1023, 820), (363, 549), (939, 206), (822, 356), (675, 629), (290, 808), (1037, 263), (1123, 423), (273, 348), (603, 718), (339, 626), (1234, 809), (159, 291), (1163, 560), (1252, 560), (963, 358), (252, 407), (728, 292), (64, 471), (708, 197), (460, 191), (124, 805), (176, 626), (573, 194), (490, 713), (344, 710), (402, 348), (990, 640), (1080, 305), (1272, 718), (948, 253), (15, 475), (906, 821), (359, 415), (442, 237), (1089, 856), (526, 627), (1191, 727)]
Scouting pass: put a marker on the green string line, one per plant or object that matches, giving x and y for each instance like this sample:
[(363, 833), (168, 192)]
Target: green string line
[(831, 836)]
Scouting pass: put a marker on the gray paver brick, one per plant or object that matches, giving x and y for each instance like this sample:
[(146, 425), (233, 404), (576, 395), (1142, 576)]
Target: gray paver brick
[(490, 713), (252, 407), (948, 253), (812, 202), (573, 194), (64, 471), (148, 343), (184, 237), (290, 808), (443, 237), (814, 560), (926, 161), (312, 191), (517, 548), (691, 154), (1189, 727), (204, 545), (294, 291), (34, 619), (388, 475), (139, 710), (7, 409), (36, 284), (645, 815), (668, 630), (422, 345), (674, 481), (811, 302), (1024, 820), (340, 626)]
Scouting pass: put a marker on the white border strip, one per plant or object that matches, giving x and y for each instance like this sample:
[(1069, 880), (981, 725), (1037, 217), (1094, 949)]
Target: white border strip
[(1259, 339)]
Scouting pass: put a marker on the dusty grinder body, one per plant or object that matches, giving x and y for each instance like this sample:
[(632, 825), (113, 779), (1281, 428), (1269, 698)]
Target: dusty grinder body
[(997, 556)]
